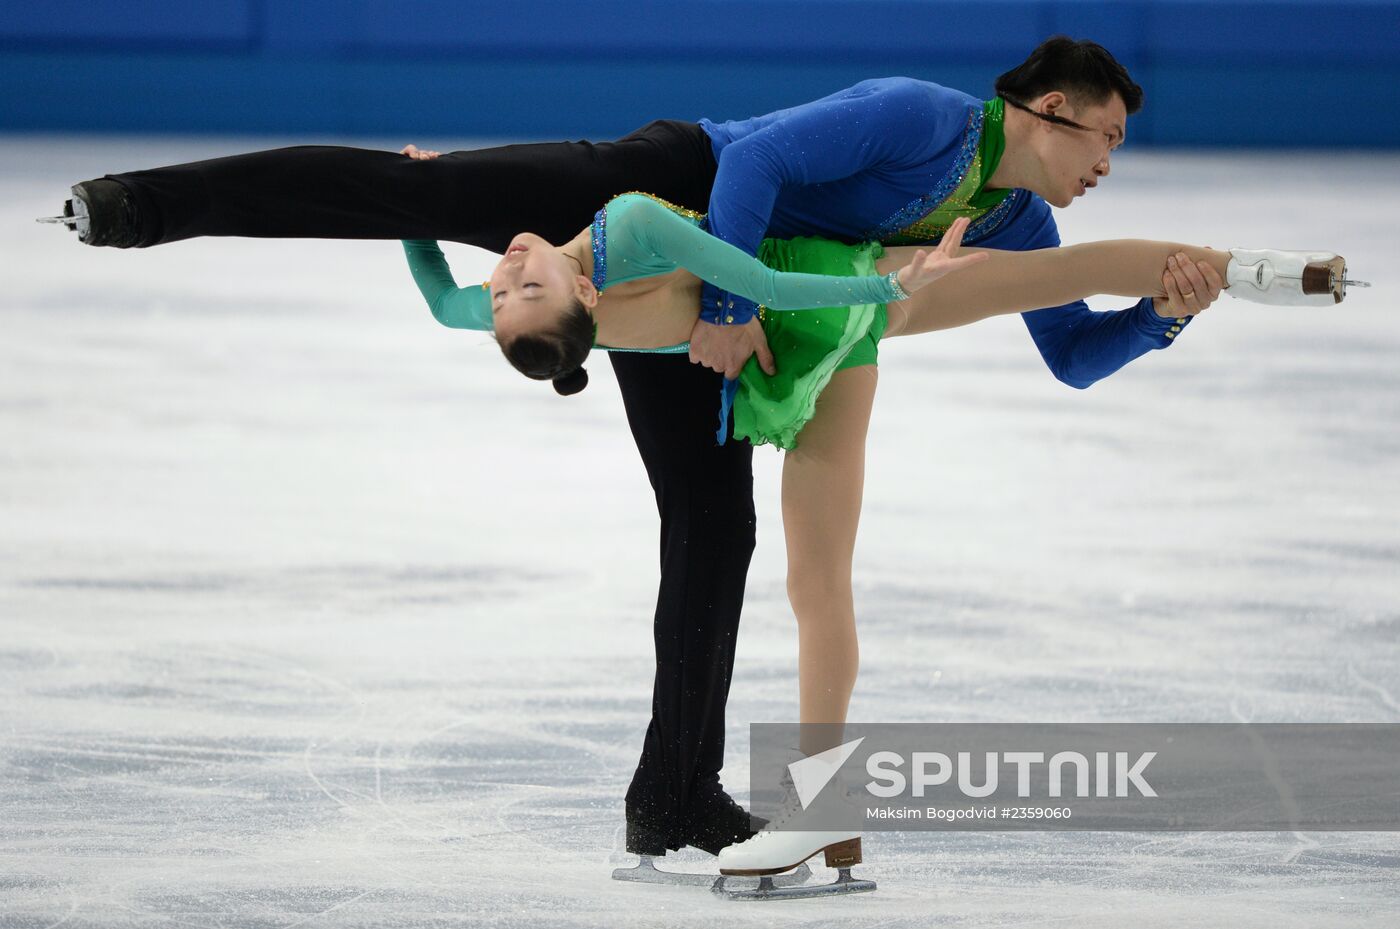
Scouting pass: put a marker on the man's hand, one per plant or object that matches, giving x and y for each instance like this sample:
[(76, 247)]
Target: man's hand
[(1191, 287), (726, 348), (418, 154)]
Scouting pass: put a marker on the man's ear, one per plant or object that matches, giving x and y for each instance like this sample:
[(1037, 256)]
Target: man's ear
[(1052, 102)]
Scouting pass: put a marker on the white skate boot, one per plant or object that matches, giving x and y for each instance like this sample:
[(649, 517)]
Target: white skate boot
[(1288, 278), (783, 845)]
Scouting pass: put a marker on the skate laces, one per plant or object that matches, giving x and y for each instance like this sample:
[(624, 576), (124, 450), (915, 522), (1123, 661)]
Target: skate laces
[(790, 806)]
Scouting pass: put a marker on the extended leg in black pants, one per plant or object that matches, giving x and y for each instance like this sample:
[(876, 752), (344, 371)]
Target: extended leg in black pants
[(704, 492)]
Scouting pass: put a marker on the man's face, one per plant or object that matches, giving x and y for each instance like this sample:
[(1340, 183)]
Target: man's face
[(1073, 160)]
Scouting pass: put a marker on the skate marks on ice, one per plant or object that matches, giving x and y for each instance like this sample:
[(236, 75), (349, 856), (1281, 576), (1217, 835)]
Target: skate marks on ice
[(259, 786), (282, 644)]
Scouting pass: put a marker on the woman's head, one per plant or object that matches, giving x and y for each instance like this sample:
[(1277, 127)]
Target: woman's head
[(555, 353), (540, 304)]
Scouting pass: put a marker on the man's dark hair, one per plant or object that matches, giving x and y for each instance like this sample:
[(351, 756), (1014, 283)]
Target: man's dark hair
[(1081, 69), (558, 355)]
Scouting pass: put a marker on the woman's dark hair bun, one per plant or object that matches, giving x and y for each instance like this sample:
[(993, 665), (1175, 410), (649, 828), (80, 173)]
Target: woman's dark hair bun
[(572, 382), (556, 354)]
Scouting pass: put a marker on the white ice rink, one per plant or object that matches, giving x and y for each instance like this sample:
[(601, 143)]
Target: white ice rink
[(314, 613)]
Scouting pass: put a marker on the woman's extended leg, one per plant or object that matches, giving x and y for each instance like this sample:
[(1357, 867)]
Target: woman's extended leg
[(823, 480), (1014, 282)]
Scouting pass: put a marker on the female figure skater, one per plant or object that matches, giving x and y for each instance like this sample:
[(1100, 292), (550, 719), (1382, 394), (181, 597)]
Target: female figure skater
[(631, 282)]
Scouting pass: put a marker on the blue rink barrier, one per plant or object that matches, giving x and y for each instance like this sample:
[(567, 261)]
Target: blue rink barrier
[(1230, 72)]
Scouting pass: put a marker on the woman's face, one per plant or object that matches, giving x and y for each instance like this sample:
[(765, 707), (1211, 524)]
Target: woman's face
[(533, 286)]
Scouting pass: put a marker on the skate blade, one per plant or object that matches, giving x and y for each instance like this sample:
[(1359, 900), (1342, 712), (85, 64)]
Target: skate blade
[(74, 219), (769, 888), (646, 872), (1340, 283)]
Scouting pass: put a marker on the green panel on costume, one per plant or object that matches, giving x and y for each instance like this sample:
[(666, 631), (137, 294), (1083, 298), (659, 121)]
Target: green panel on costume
[(808, 346)]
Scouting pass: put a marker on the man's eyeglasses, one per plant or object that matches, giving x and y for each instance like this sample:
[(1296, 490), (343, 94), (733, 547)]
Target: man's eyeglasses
[(1051, 117)]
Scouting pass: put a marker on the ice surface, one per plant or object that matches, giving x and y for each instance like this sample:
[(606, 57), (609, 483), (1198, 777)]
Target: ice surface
[(314, 613)]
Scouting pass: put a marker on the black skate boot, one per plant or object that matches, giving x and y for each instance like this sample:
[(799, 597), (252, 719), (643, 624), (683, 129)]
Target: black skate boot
[(648, 834), (102, 212), (715, 821)]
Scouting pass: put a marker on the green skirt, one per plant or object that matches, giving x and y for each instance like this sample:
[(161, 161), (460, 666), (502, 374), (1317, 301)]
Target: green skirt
[(808, 346)]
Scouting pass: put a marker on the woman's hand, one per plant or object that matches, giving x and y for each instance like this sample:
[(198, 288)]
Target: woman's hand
[(929, 266), (417, 154)]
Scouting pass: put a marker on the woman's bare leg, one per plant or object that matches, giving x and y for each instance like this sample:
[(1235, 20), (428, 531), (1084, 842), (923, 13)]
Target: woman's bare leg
[(823, 481), (1013, 282)]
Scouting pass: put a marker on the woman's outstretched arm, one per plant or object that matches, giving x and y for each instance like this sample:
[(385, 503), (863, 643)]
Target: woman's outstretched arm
[(640, 226), (453, 306), (1016, 282)]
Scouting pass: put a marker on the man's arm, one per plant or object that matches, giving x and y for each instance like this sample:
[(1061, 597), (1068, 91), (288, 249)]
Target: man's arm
[(1079, 345), (895, 123), (1082, 347)]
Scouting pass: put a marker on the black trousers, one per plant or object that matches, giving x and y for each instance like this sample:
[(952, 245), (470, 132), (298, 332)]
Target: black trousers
[(704, 491)]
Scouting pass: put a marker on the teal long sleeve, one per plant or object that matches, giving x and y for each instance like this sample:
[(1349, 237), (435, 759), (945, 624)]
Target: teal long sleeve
[(457, 307), (645, 238)]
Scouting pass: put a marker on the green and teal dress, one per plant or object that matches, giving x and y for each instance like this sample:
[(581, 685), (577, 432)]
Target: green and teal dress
[(823, 302)]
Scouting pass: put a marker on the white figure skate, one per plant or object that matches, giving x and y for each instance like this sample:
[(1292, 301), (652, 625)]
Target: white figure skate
[(1288, 278), (770, 853), (783, 845)]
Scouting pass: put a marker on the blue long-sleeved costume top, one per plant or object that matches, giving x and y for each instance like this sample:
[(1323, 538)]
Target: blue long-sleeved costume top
[(870, 163)]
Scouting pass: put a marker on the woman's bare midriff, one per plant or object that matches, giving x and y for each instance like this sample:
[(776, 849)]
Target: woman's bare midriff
[(651, 312)]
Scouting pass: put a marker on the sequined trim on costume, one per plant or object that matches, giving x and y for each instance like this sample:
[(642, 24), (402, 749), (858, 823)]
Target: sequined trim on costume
[(896, 287), (674, 208), (668, 350), (990, 220), (918, 209), (599, 234), (599, 239)]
